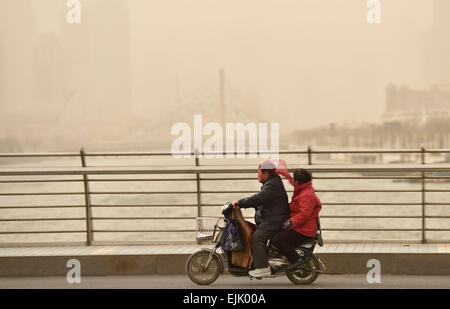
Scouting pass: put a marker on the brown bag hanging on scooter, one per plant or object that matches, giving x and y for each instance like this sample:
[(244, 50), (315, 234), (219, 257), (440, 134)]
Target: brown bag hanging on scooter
[(243, 258)]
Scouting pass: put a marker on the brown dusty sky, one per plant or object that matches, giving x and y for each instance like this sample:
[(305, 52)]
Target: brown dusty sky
[(302, 62)]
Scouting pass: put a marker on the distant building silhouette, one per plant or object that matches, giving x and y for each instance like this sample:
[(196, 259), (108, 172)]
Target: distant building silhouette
[(404, 104), (17, 34), (412, 119)]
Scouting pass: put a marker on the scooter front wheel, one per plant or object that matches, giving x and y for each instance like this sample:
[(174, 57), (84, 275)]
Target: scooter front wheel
[(200, 271)]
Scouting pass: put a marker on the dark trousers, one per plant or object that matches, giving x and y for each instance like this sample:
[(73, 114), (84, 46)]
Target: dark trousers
[(287, 241), (259, 242)]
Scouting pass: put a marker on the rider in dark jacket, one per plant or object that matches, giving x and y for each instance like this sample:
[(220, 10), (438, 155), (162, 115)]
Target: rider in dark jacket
[(272, 210), (271, 204)]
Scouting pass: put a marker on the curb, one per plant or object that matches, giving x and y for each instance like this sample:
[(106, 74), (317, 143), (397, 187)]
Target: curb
[(174, 264)]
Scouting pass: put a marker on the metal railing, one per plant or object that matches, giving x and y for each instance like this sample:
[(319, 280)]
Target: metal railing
[(199, 173)]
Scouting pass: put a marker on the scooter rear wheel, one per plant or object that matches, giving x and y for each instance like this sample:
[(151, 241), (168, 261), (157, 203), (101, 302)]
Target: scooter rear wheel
[(198, 272), (302, 275)]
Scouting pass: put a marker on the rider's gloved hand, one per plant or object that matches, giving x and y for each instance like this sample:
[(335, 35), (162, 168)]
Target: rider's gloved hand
[(287, 225), (225, 207)]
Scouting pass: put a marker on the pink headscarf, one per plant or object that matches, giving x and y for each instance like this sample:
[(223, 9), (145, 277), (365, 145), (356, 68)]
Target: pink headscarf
[(281, 169)]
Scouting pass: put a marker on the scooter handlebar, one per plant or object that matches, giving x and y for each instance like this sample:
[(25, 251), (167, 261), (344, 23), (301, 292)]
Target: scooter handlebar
[(226, 208)]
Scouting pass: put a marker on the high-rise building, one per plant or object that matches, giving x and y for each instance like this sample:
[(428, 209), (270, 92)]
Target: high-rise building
[(2, 84), (441, 13), (97, 63), (436, 46), (97, 73), (17, 35)]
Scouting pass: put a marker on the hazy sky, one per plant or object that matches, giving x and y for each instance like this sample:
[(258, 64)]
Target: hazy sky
[(304, 62), (318, 58)]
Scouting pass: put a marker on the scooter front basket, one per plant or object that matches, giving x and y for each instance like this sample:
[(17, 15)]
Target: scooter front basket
[(206, 228)]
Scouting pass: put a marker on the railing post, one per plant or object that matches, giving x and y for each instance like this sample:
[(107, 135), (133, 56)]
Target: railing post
[(309, 155), (87, 198), (199, 197), (423, 240)]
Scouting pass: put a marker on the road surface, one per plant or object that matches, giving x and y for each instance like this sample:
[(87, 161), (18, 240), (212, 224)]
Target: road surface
[(228, 282)]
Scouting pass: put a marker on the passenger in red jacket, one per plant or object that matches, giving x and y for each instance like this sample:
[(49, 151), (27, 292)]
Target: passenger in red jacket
[(301, 227)]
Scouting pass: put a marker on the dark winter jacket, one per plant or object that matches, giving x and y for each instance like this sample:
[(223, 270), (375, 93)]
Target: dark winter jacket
[(271, 204)]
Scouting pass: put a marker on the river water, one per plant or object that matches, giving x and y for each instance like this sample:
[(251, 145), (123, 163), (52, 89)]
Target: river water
[(108, 205)]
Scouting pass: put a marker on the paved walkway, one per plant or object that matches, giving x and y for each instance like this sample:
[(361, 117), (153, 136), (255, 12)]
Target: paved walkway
[(188, 249)]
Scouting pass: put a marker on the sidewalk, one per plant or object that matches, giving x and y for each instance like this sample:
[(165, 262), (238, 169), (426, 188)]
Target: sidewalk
[(349, 258), (394, 248)]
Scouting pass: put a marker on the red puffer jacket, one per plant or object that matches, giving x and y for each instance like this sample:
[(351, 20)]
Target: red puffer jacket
[(304, 209)]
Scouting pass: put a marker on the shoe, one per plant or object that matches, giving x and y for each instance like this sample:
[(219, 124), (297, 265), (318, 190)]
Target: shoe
[(260, 272)]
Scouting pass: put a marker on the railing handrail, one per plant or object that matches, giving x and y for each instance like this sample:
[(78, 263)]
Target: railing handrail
[(281, 152), (219, 169)]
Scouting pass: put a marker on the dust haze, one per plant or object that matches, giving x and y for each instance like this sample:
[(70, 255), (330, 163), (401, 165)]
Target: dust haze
[(133, 68)]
